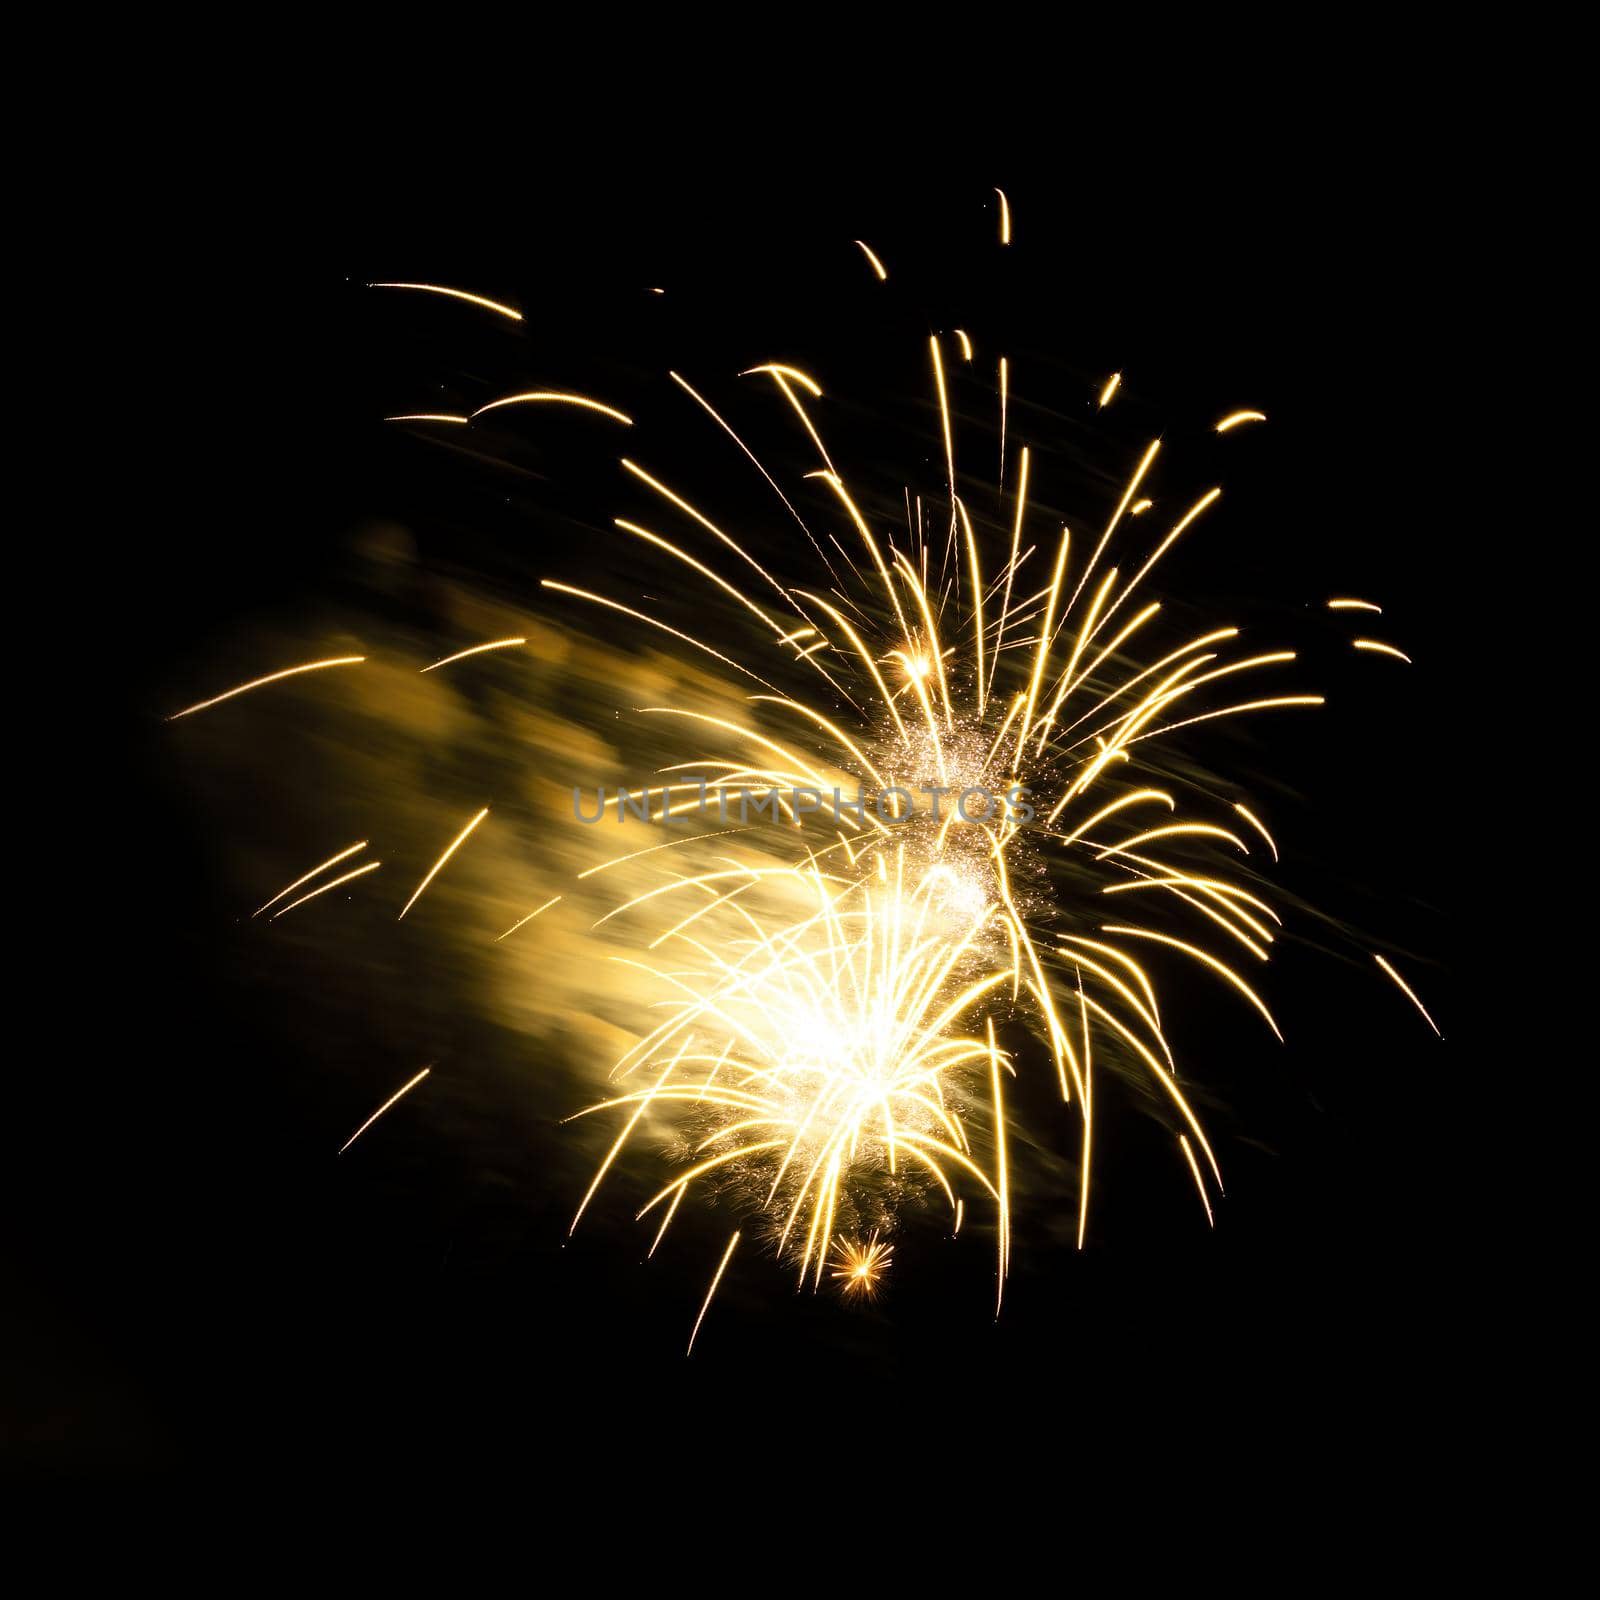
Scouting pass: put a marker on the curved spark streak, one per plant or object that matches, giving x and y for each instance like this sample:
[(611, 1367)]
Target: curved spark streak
[(393, 1099), (371, 866), (870, 254), (1207, 960), (1199, 1182), (1382, 649), (1004, 387), (944, 416), (529, 918), (1408, 991), (428, 416), (271, 677), (722, 1266), (778, 370), (616, 605), (1235, 418), (456, 294), (1005, 217), (1260, 827), (722, 422), (1354, 605), (476, 650), (321, 867), (556, 397), (433, 871)]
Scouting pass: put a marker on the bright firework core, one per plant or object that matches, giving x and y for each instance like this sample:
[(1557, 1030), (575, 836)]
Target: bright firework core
[(815, 1051)]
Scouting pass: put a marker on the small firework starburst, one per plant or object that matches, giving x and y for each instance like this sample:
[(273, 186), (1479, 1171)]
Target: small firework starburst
[(860, 1265)]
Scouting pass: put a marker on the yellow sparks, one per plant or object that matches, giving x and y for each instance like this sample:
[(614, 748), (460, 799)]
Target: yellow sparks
[(459, 840), (271, 677), (530, 916), (1001, 1171), (778, 370), (628, 611), (476, 650), (1382, 649), (722, 1266), (556, 397), (1260, 827), (877, 265), (1005, 377), (393, 1099), (316, 871), (456, 294), (859, 1266), (944, 414), (371, 866), (1408, 991), (1204, 957), (815, 1043), (1199, 1182)]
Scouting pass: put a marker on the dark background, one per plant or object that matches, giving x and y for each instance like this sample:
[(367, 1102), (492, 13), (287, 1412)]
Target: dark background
[(198, 1283)]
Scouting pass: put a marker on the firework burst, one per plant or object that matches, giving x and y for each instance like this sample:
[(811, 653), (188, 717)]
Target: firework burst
[(821, 1040), (860, 1265), (830, 987)]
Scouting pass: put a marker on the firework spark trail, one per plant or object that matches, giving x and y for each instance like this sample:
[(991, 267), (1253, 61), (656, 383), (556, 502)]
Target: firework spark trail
[(359, 872), (529, 918), (1260, 827), (509, 312), (876, 264), (1199, 1180), (722, 1266), (433, 871), (555, 397), (1005, 382), (476, 650), (393, 1099), (1381, 649), (1410, 993), (321, 867), (721, 422), (271, 677)]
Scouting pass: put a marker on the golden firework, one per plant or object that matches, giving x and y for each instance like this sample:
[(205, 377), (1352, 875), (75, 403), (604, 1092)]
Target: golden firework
[(827, 989), (860, 1265)]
